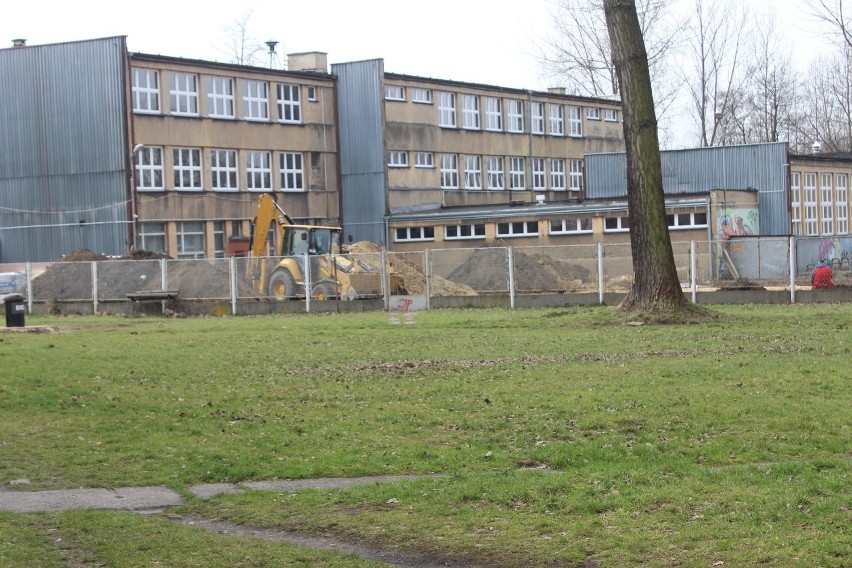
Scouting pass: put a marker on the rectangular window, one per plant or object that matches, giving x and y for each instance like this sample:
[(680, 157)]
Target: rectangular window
[(220, 97), (810, 204), (517, 173), (681, 221), (424, 160), (312, 93), (494, 114), (470, 112), (516, 116), (557, 174), (289, 104), (463, 232), (517, 229), (315, 159), (292, 175), (610, 115), (472, 172), (423, 96), (593, 113), (183, 94), (255, 100), (449, 171), (447, 109), (537, 118), (146, 91), (575, 121), (616, 224), (151, 237), (259, 171), (149, 169), (796, 202), (397, 159), (841, 195), (826, 198), (190, 239), (223, 169), (187, 168), (576, 175), (394, 93), (557, 120), (572, 226), (495, 173), (402, 234), (539, 178), (218, 239)]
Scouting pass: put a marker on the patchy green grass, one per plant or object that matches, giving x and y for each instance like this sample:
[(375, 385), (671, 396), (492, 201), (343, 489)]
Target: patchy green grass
[(672, 445)]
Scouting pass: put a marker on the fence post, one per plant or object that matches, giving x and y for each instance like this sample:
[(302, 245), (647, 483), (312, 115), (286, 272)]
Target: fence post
[(427, 270), (30, 287), (95, 286), (164, 282), (510, 258), (792, 270), (306, 262), (232, 273), (601, 287), (693, 264)]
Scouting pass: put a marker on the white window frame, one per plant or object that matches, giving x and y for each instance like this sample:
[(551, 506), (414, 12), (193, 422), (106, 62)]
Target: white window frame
[(610, 115), (394, 93), (424, 160), (312, 93), (687, 221), (827, 203), (421, 96), (576, 175), (149, 169), (224, 171), (593, 113), (517, 173), (446, 109), (841, 199), (183, 93), (513, 229), (470, 112), (557, 174), (289, 99), (255, 100), (218, 239), (539, 174), (152, 237), (515, 113), (494, 114), (190, 233), (472, 172), (571, 226), (810, 194), (397, 159), (796, 202), (622, 224), (146, 91), (496, 173), (413, 234), (186, 166), (557, 119), (449, 171), (220, 97), (575, 121), (537, 117), (464, 232), (292, 173), (258, 170)]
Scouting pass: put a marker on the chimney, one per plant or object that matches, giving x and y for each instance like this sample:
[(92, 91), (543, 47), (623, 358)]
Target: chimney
[(556, 90), (316, 61), (815, 147), (19, 42)]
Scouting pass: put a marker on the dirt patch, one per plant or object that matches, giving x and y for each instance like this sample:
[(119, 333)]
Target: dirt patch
[(533, 273)]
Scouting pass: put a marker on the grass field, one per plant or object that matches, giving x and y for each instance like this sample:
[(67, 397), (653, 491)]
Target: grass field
[(566, 439)]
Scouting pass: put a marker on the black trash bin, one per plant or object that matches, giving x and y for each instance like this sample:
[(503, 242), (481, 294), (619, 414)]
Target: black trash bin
[(16, 310)]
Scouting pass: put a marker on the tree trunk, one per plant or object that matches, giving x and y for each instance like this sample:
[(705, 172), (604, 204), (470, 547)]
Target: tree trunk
[(656, 286)]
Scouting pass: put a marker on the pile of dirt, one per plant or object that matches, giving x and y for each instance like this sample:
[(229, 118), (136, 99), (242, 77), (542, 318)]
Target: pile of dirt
[(533, 273)]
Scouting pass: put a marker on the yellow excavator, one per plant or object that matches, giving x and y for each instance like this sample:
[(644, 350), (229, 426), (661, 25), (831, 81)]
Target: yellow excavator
[(280, 272)]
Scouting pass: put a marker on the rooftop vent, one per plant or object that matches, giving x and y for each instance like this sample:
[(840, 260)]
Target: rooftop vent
[(19, 42), (815, 147)]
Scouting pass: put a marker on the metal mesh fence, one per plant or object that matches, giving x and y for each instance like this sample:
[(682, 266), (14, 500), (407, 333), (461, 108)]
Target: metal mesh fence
[(555, 269), (63, 281), (118, 278), (466, 272), (618, 268), (207, 279)]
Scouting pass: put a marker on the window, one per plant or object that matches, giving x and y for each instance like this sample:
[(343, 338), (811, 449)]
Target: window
[(462, 232), (810, 204), (557, 174), (557, 120), (218, 239), (292, 177), (610, 115), (616, 224), (146, 91), (575, 121), (394, 93), (679, 221), (187, 168), (576, 175), (190, 239), (826, 197), (398, 159), (421, 96), (517, 173), (315, 159), (517, 229), (841, 194), (470, 112), (414, 234), (183, 93), (289, 104), (537, 118), (447, 110), (593, 113), (796, 202), (223, 169), (312, 93), (255, 100), (220, 97), (149, 168), (424, 160), (493, 114), (472, 172), (572, 226), (516, 116), (539, 178), (495, 173), (449, 171), (259, 171), (152, 237)]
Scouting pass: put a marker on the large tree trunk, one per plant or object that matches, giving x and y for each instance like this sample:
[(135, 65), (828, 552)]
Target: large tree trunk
[(655, 282)]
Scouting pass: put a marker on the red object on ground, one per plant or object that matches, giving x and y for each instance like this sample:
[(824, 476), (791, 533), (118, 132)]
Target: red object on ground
[(822, 277)]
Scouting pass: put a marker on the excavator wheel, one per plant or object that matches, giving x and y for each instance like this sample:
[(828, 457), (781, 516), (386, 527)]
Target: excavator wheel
[(282, 285), (324, 291)]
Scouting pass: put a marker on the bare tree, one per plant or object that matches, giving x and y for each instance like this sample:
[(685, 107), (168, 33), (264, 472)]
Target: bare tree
[(827, 104), (656, 287), (240, 45), (836, 16)]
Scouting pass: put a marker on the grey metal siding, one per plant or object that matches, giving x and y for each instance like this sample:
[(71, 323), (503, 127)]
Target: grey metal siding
[(63, 154), (362, 153), (699, 170)]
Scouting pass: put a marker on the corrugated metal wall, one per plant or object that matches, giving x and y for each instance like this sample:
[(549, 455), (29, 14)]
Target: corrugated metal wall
[(362, 153), (697, 171), (63, 154)]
